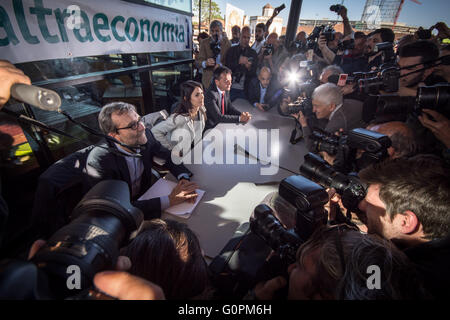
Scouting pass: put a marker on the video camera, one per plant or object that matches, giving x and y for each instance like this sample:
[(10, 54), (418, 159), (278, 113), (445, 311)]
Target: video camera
[(349, 187), (345, 148), (214, 44), (102, 223), (435, 97)]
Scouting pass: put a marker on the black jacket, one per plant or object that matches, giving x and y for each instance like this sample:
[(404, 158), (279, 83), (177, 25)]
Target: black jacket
[(232, 62), (103, 164), (254, 93), (213, 106)]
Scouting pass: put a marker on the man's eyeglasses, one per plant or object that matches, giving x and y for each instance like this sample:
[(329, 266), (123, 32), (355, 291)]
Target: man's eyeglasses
[(133, 125)]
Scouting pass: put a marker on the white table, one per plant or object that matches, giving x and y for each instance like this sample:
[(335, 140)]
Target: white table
[(231, 192)]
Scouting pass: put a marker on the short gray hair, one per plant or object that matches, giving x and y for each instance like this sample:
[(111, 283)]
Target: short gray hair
[(328, 93), (104, 118), (216, 23), (334, 69)]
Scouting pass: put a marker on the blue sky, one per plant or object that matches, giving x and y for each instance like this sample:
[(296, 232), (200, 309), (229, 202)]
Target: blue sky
[(426, 14)]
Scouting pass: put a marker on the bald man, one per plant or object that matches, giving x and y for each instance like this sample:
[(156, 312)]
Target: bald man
[(402, 138), (259, 93)]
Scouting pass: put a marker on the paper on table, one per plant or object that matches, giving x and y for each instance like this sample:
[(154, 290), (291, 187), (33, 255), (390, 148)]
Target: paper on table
[(164, 187)]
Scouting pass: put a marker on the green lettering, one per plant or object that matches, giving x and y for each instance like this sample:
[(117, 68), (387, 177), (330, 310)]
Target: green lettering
[(156, 36), (144, 31), (114, 30), (101, 26), (40, 11), (60, 16), (6, 24), (168, 27), (85, 25), (127, 29), (181, 34), (22, 22)]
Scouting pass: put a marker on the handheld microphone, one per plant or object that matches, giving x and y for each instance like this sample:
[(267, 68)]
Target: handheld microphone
[(41, 98)]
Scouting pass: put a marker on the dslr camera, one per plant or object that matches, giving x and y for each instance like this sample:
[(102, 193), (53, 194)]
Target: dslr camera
[(387, 80), (102, 223), (268, 49), (214, 44), (336, 8)]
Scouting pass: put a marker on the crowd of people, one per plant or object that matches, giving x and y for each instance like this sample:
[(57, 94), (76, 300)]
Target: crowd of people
[(406, 210)]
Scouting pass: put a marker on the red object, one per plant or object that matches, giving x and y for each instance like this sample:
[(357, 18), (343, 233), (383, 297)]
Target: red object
[(223, 103)]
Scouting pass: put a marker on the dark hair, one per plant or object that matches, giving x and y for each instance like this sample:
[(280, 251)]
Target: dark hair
[(261, 26), (425, 49), (386, 34), (445, 48), (168, 253), (203, 35), (236, 27), (342, 261), (218, 72), (419, 184), (186, 90), (359, 35), (104, 117)]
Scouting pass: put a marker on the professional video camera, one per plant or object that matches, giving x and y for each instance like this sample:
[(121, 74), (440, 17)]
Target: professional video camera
[(214, 44), (373, 144), (349, 187), (435, 97), (102, 223)]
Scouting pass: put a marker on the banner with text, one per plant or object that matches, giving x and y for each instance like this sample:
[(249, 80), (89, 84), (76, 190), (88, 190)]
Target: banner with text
[(32, 30)]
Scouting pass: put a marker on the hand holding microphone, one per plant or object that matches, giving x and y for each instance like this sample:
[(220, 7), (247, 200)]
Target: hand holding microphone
[(10, 75)]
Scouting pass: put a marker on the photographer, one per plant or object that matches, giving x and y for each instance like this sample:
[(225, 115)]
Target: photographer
[(242, 60), (235, 35), (328, 104), (273, 54), (443, 70), (333, 264), (213, 51), (407, 202), (260, 30)]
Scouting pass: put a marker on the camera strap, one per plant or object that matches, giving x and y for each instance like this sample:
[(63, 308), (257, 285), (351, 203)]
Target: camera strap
[(294, 139)]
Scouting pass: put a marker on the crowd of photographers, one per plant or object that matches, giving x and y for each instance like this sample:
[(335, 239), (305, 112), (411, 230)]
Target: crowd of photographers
[(375, 116)]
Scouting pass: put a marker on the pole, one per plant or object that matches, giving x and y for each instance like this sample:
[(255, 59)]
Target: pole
[(294, 15), (199, 16)]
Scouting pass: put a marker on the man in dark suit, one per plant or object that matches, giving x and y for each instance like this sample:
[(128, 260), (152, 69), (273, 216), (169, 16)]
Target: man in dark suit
[(217, 101), (120, 121), (261, 90)]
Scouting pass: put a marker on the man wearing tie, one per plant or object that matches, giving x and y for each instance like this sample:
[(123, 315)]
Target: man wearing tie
[(217, 101)]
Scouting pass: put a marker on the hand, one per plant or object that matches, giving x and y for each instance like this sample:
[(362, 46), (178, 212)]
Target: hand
[(183, 191), (343, 12), (210, 62), (440, 127), (245, 117), (243, 60), (268, 57), (327, 157), (266, 290), (322, 42), (260, 106), (302, 119), (9, 75), (347, 89), (124, 286)]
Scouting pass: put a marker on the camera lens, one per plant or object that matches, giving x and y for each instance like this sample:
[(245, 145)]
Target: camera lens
[(434, 97)]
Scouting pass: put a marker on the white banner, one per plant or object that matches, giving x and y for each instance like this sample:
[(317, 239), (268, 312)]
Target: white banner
[(33, 30), (233, 17)]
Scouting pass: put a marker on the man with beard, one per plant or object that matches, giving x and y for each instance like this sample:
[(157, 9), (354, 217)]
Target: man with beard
[(259, 37)]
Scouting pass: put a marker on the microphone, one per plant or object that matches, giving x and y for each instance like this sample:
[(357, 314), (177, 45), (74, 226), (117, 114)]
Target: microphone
[(41, 98)]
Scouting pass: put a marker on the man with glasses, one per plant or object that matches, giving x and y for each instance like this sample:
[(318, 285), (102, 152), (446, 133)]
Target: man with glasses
[(132, 161)]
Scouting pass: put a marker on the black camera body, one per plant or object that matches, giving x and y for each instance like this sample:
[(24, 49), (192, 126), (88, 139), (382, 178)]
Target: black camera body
[(387, 80), (268, 49), (336, 8), (348, 44), (214, 44), (435, 97), (102, 223)]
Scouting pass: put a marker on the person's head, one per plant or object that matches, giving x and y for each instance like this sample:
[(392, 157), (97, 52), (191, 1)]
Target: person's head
[(419, 53), (409, 38), (121, 121), (407, 199), (328, 71), (402, 138), (334, 264), (235, 33), (201, 36), (325, 99), (168, 253), (264, 76), (260, 30), (273, 39), (377, 36), (360, 43), (337, 37), (216, 29), (192, 98), (443, 70), (245, 37), (301, 36), (222, 78)]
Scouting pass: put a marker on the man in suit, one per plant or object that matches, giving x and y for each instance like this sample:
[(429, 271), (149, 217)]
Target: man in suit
[(217, 101), (132, 162), (242, 60), (329, 104), (260, 91), (209, 60)]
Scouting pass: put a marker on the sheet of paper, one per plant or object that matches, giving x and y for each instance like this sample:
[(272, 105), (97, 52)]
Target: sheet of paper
[(164, 187)]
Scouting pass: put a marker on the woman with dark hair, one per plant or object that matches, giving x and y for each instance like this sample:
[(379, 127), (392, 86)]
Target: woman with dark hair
[(168, 253), (187, 122)]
